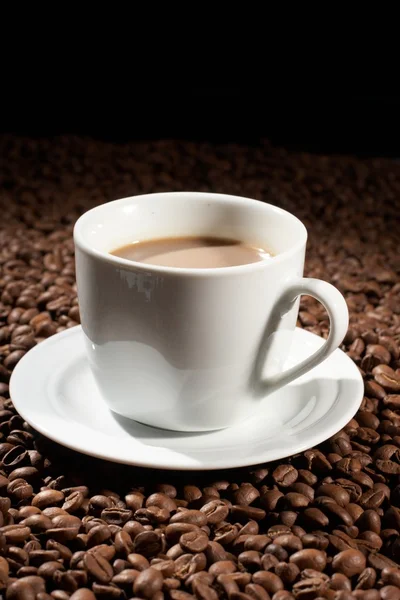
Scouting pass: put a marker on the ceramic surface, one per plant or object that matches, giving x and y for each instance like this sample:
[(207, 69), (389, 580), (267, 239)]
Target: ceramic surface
[(194, 349)]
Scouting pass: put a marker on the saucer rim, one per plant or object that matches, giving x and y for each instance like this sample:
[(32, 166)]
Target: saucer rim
[(319, 436)]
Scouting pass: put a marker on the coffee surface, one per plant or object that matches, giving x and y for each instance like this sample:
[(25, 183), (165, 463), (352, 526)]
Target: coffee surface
[(193, 252)]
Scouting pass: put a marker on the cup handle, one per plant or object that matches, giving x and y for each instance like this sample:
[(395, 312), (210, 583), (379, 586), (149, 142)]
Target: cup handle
[(338, 313)]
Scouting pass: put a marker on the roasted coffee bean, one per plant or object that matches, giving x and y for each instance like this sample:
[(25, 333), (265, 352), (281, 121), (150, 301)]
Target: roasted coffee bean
[(296, 501), (309, 559), (180, 595), (107, 591), (386, 377), (229, 583), (133, 528), (60, 595), (355, 511), (205, 592), (99, 503), (244, 513), (19, 590), (162, 501), (107, 552), (192, 517), (36, 583), (349, 562), (119, 565), (175, 552), (337, 493), (191, 493), (116, 516), (270, 499), (26, 571), (379, 561), (20, 490), (277, 551), (148, 543), (245, 495), (288, 572), (290, 542), (222, 567), (277, 530), (166, 567), (194, 541), (125, 578), (303, 488), (65, 581), (317, 542), (14, 458), (256, 542), (138, 562), (98, 535), (215, 511), (65, 520), (47, 569), (29, 474), (390, 592), (37, 523), (310, 588), (174, 531), (285, 475), (366, 580), (98, 567), (316, 461), (391, 576), (369, 520), (15, 534), (186, 565), (289, 517), (17, 558), (250, 560), (123, 543), (269, 581), (80, 576), (38, 557), (315, 518), (152, 515), (372, 499), (83, 594), (47, 498), (257, 592), (215, 552), (340, 582), (4, 572), (225, 533), (73, 502)]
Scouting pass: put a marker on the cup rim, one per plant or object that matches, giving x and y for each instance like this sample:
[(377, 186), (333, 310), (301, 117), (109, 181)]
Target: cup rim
[(104, 256)]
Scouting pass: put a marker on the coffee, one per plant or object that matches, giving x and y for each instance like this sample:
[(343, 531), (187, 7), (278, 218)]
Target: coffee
[(200, 252)]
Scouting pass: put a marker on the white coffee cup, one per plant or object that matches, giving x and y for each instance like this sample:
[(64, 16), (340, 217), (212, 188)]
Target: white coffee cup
[(194, 349)]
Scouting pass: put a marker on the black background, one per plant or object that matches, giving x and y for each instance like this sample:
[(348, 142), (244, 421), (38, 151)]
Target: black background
[(363, 125)]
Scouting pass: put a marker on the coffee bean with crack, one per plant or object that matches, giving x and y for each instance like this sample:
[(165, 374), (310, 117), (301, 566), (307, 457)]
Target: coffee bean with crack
[(98, 567), (285, 475), (194, 541)]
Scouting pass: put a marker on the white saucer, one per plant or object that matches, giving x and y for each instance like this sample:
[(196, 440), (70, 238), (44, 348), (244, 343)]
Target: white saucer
[(53, 389)]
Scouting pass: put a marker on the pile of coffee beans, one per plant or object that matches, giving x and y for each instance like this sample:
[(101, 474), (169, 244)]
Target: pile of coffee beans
[(321, 524)]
